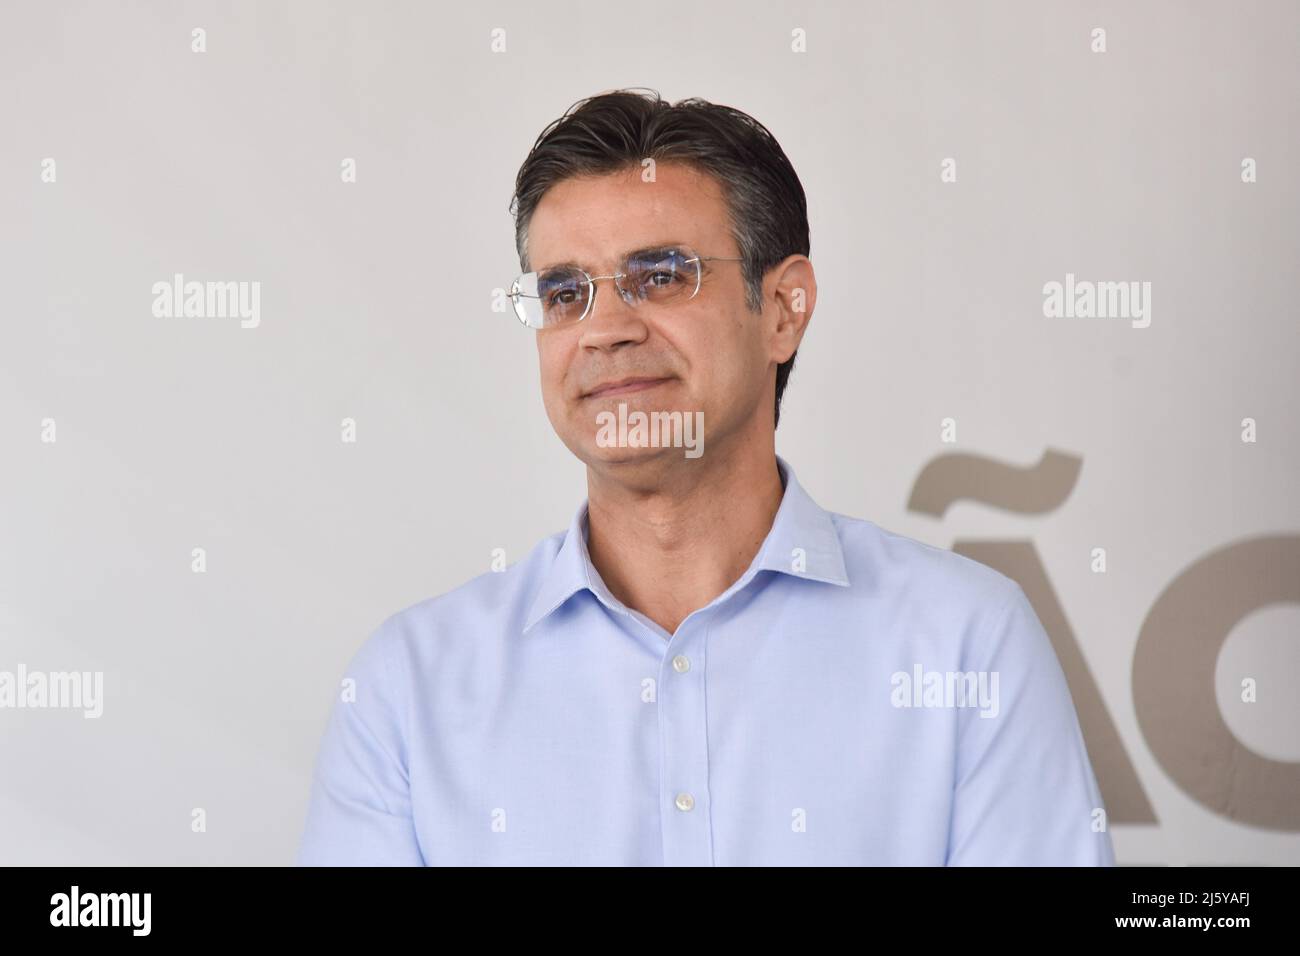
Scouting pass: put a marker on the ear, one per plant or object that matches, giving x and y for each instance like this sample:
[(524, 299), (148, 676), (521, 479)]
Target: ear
[(790, 294)]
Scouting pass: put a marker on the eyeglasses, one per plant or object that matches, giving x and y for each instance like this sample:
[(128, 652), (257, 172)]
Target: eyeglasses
[(562, 295)]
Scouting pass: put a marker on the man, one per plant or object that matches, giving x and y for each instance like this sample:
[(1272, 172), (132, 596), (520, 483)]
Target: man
[(706, 668)]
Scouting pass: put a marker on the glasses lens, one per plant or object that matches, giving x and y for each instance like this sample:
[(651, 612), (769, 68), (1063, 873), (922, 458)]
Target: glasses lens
[(553, 297), (662, 276)]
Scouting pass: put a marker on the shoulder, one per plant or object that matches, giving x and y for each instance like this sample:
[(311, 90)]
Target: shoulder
[(886, 553), (943, 605), (889, 566), (493, 602)]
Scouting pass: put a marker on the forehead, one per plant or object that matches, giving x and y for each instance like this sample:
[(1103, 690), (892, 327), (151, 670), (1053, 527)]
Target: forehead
[(595, 220)]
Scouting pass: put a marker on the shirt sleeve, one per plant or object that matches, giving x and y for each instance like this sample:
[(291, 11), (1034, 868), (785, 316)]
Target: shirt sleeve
[(359, 810), (1025, 793)]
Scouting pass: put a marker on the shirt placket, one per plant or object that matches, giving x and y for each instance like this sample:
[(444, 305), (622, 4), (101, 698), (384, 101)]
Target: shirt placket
[(684, 807)]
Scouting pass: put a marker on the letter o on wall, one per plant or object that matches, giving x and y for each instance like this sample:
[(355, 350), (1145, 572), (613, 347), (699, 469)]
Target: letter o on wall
[(1173, 681)]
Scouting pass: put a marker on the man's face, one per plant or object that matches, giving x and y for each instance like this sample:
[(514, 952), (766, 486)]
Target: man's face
[(708, 354)]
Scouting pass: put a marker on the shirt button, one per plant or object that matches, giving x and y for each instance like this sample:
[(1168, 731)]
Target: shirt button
[(681, 663), (685, 801)]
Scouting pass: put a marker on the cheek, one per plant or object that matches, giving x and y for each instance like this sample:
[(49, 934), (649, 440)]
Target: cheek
[(706, 360), (553, 366), (734, 352)]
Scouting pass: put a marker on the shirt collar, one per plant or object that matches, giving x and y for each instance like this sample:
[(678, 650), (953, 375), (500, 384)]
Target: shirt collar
[(802, 543)]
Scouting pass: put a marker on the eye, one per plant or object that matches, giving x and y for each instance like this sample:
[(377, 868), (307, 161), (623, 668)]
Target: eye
[(559, 289), (660, 270)]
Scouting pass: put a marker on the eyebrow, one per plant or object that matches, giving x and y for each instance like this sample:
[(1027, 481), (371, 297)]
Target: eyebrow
[(652, 247)]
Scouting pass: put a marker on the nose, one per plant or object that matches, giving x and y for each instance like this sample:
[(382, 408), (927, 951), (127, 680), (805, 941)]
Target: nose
[(613, 321)]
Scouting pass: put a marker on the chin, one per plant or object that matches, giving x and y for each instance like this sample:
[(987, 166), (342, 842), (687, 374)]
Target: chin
[(628, 460), (595, 453)]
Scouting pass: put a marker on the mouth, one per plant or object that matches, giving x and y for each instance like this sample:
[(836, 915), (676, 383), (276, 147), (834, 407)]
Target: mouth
[(624, 386)]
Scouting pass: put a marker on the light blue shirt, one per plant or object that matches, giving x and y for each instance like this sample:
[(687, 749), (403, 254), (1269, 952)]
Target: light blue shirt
[(856, 697)]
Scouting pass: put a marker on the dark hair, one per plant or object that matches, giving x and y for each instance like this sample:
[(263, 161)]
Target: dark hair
[(617, 130)]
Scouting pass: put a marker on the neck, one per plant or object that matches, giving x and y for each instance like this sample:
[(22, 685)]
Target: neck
[(680, 532)]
